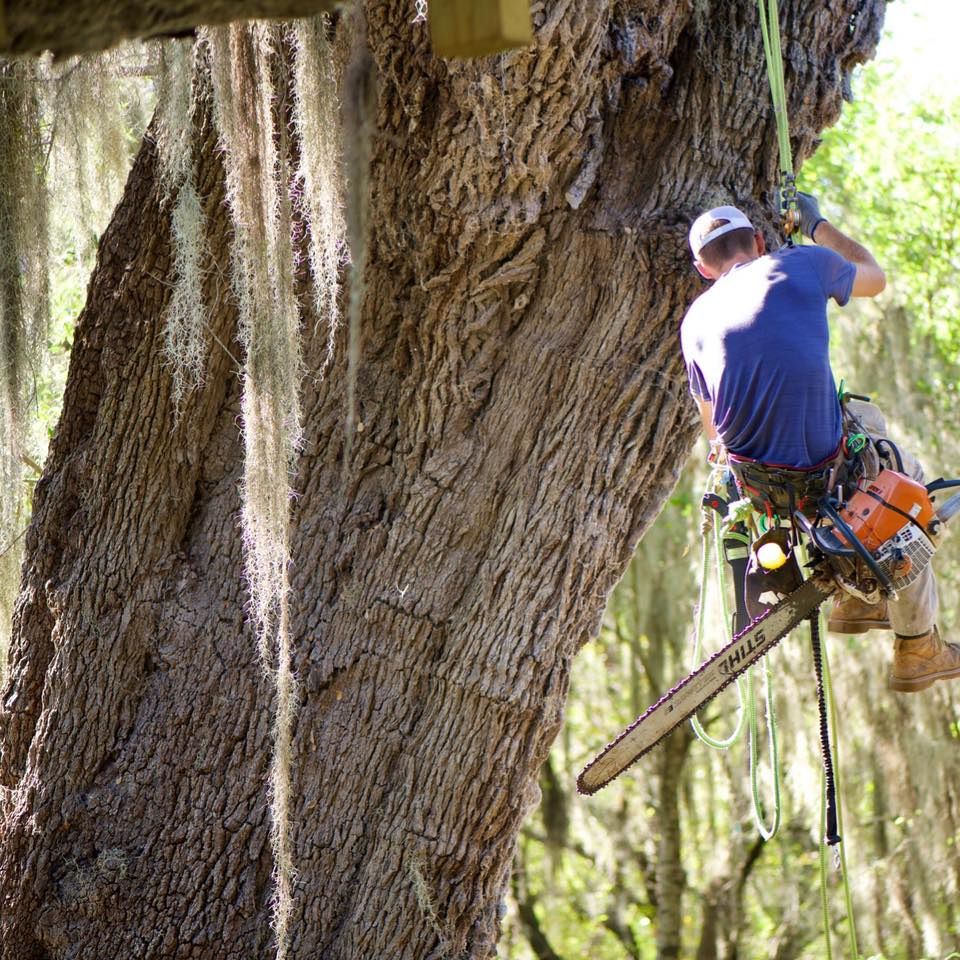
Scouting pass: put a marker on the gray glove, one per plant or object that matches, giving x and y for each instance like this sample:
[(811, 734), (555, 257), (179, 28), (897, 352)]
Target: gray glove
[(810, 216)]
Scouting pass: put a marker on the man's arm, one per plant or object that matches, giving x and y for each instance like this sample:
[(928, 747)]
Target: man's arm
[(706, 417), (869, 279)]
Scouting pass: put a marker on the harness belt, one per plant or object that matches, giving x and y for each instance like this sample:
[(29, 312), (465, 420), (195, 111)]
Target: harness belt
[(776, 490)]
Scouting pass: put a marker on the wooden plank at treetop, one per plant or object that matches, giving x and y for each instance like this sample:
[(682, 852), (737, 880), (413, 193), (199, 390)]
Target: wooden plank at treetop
[(475, 28)]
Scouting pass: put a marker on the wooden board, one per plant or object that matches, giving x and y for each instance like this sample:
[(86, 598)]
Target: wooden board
[(476, 28)]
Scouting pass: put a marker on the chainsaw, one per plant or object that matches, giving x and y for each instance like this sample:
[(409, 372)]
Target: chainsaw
[(873, 545)]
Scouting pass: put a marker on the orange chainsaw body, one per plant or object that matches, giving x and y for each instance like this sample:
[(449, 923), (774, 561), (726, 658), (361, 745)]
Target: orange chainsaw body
[(872, 513)]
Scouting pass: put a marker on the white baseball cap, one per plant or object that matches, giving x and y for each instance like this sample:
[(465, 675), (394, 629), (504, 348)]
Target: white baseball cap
[(701, 234)]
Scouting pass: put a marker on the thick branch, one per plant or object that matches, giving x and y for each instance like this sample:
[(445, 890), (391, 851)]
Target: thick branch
[(84, 26)]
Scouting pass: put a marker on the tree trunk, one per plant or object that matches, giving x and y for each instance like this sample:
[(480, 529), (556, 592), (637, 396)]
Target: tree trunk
[(524, 414), (671, 877)]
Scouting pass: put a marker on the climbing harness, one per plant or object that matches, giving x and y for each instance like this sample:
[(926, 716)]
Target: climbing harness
[(780, 491), (772, 492), (773, 55)]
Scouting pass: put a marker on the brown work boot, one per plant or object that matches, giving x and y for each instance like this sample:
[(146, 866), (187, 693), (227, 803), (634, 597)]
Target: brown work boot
[(919, 661), (852, 615)]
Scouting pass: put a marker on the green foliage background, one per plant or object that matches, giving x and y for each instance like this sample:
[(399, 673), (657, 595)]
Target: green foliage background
[(93, 114)]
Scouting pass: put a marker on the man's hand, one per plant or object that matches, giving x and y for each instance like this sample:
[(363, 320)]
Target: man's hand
[(870, 278), (810, 216)]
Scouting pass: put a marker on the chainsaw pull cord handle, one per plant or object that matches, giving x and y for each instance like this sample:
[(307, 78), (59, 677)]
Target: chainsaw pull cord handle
[(882, 442)]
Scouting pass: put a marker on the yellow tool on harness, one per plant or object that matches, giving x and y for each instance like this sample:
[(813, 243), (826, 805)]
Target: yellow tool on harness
[(770, 556)]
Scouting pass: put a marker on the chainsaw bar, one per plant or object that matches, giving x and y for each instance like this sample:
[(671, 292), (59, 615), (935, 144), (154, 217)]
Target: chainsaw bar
[(701, 686)]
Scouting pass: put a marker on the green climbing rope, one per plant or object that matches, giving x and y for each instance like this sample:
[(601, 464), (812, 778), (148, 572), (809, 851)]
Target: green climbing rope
[(747, 714), (824, 886), (770, 28), (773, 54), (698, 729), (768, 833)]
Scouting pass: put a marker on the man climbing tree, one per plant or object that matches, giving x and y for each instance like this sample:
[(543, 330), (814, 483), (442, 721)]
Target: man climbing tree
[(756, 345), (520, 416)]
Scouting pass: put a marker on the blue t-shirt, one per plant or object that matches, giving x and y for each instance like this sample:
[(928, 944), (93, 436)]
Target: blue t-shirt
[(756, 346)]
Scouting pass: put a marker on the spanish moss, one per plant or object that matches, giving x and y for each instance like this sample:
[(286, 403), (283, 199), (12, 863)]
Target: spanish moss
[(67, 135), (244, 68), (97, 110), (315, 109), (184, 324)]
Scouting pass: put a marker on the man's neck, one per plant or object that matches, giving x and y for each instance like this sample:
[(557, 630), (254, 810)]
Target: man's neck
[(737, 261)]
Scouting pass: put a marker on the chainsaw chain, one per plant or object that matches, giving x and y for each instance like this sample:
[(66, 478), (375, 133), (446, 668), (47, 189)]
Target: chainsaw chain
[(823, 590)]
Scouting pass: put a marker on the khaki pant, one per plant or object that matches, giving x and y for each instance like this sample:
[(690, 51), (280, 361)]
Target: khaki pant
[(915, 610)]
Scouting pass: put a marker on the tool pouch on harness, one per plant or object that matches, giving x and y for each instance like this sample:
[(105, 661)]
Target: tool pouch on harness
[(774, 490)]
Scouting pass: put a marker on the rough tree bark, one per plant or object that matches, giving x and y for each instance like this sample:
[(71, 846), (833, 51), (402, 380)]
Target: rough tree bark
[(524, 415)]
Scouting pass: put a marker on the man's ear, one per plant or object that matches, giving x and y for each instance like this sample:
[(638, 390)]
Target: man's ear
[(761, 243), (706, 272)]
